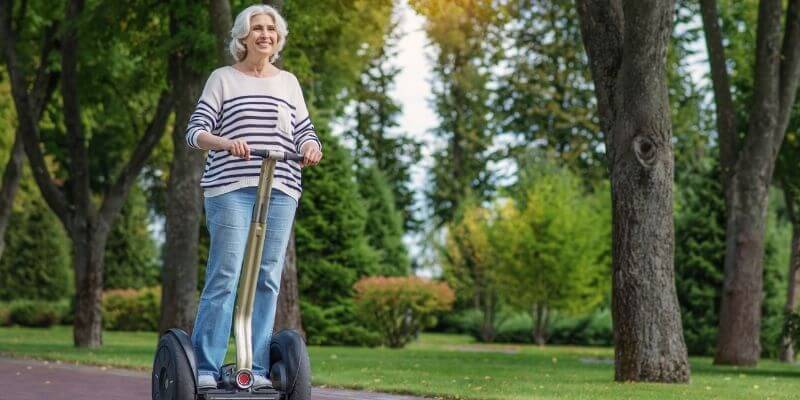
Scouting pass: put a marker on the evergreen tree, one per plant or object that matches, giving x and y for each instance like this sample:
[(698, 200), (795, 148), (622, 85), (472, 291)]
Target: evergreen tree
[(700, 255), (384, 226), (463, 32), (377, 141), (36, 263), (131, 254)]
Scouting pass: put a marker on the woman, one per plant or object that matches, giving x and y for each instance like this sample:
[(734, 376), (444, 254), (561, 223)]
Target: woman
[(249, 105)]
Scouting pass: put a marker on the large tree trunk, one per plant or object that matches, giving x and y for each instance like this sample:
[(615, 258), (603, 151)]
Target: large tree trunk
[(88, 254), (540, 318), (184, 198), (627, 44), (288, 314), (776, 78), (793, 277)]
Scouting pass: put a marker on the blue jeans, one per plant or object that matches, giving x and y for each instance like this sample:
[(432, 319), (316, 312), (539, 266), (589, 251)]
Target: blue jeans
[(228, 219)]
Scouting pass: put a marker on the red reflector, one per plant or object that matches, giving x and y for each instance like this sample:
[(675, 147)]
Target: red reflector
[(243, 379)]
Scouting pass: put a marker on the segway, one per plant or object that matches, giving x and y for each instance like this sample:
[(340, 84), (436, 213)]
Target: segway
[(174, 367)]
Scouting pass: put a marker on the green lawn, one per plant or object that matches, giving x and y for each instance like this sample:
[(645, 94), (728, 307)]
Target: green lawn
[(450, 366)]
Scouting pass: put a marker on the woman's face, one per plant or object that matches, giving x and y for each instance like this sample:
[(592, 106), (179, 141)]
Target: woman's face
[(263, 36)]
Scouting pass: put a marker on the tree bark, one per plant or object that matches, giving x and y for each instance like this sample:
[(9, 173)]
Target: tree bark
[(539, 314), (221, 25), (776, 78), (10, 184), (288, 314), (787, 342), (627, 44), (184, 206)]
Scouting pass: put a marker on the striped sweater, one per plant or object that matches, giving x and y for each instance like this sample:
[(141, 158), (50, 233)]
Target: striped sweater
[(269, 113)]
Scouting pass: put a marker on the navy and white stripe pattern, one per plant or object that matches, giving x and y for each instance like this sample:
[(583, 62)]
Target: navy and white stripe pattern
[(269, 113)]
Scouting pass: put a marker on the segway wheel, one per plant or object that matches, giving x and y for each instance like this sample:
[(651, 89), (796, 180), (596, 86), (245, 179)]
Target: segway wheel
[(173, 377), (290, 367)]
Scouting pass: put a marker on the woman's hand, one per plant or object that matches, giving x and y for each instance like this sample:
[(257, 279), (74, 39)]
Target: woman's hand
[(239, 148), (311, 153)]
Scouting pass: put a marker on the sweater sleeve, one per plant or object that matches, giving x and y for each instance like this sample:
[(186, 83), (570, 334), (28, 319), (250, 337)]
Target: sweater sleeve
[(303, 128), (207, 112)]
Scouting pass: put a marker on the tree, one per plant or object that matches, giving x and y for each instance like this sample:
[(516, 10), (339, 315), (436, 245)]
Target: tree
[(377, 141), (544, 94), (747, 162), (88, 224), (183, 201), (131, 259), (626, 42), (384, 225), (468, 263), (463, 31), (552, 245)]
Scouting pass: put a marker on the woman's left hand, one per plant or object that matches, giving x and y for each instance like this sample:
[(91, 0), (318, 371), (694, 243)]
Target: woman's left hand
[(311, 153)]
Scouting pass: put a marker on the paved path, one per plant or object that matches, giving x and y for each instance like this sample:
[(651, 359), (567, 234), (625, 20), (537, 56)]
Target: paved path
[(43, 380)]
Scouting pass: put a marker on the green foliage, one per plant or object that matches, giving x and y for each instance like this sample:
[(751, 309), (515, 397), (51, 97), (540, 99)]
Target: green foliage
[(384, 225), (336, 325), (377, 141), (37, 313), (545, 92), (131, 256), (463, 32), (333, 251), (131, 309), (400, 307), (553, 245), (700, 255), (776, 264), (36, 263)]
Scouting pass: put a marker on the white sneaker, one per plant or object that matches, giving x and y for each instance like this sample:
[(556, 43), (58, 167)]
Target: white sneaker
[(206, 382), (261, 382)]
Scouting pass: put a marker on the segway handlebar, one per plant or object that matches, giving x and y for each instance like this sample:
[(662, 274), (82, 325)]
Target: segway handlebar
[(277, 155)]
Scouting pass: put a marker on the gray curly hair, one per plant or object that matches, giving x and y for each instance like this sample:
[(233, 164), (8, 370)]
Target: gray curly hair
[(241, 28)]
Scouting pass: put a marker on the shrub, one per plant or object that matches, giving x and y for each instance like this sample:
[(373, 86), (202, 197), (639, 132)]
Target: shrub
[(5, 314), (37, 313), (336, 326), (399, 307), (131, 309)]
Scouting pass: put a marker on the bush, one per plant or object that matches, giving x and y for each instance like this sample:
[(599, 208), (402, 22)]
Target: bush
[(37, 313), (5, 314), (131, 309), (336, 326), (400, 307)]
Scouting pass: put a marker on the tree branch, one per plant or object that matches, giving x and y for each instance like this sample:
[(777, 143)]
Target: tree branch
[(79, 160), (28, 125), (726, 113), (790, 72), (115, 196)]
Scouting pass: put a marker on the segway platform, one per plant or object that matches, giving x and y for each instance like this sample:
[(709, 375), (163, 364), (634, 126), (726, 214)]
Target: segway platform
[(223, 394)]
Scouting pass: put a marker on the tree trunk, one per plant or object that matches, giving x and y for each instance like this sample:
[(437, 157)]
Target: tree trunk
[(288, 314), (88, 255), (539, 331), (183, 198), (776, 77), (10, 184), (787, 342), (627, 44)]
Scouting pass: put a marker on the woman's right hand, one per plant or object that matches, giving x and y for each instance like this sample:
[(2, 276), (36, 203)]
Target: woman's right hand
[(239, 148)]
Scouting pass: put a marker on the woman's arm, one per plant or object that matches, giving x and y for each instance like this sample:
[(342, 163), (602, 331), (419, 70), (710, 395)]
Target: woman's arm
[(238, 148)]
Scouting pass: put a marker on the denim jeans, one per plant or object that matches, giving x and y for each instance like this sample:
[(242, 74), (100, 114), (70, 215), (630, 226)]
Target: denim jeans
[(228, 219)]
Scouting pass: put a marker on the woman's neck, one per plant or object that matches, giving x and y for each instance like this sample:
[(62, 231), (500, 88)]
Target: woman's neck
[(257, 66)]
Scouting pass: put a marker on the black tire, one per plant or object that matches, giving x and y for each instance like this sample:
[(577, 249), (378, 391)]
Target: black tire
[(290, 367), (173, 376)]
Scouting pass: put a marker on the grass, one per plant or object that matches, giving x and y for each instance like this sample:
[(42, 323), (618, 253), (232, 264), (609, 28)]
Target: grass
[(450, 366)]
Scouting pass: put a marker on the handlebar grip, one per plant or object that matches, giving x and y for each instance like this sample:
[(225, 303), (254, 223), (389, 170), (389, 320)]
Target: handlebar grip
[(276, 155)]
